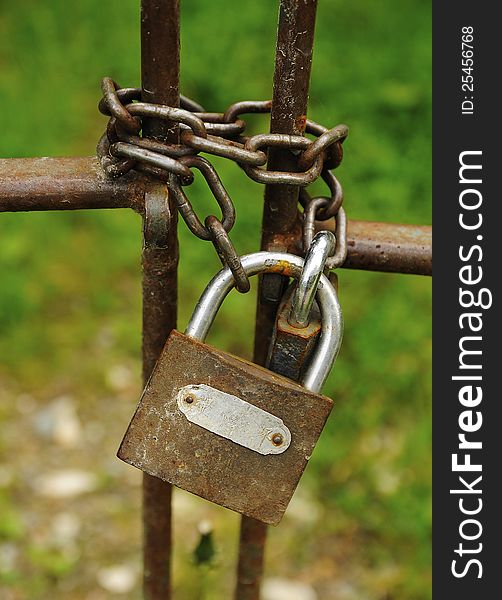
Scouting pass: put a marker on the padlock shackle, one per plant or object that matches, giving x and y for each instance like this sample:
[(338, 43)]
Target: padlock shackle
[(321, 248), (291, 266)]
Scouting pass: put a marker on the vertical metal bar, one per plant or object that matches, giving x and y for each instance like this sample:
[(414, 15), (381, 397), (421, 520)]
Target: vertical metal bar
[(293, 60), (160, 258), (252, 538), (160, 43), (160, 62)]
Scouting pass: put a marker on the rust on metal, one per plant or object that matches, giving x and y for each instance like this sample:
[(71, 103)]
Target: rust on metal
[(291, 347), (293, 62), (121, 148), (278, 439), (387, 246), (252, 539), (160, 58), (301, 123), (34, 184), (163, 442), (227, 253), (160, 63), (159, 261), (39, 184)]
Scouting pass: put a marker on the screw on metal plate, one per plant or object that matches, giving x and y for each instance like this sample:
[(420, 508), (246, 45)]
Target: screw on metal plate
[(234, 419), (277, 439)]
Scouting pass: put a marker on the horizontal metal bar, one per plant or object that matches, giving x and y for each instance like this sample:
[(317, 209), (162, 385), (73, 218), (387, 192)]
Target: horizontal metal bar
[(37, 184), (389, 247), (28, 184)]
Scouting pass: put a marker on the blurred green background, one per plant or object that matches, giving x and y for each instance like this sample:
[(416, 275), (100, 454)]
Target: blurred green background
[(70, 309)]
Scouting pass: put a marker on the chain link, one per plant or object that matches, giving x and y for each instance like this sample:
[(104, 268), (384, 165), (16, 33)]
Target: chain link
[(219, 192), (291, 142), (227, 252), (310, 216), (122, 148), (322, 208)]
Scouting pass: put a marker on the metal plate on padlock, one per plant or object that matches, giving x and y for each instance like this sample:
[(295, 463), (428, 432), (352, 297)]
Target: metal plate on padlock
[(161, 440), (234, 419)]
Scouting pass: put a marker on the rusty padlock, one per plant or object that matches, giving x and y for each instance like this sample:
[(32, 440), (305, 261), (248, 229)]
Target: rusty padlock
[(226, 429)]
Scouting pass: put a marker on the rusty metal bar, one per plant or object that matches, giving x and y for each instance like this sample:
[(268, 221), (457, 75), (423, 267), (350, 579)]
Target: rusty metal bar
[(159, 261), (252, 538), (388, 247), (160, 63), (28, 184), (293, 61), (39, 184), (280, 226), (160, 57)]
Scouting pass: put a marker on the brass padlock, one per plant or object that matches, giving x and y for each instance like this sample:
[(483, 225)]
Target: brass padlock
[(226, 429)]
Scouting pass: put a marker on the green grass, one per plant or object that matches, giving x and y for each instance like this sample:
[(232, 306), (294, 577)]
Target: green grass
[(68, 280)]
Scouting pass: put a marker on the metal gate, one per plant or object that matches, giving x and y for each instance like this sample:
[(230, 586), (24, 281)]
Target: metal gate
[(80, 183)]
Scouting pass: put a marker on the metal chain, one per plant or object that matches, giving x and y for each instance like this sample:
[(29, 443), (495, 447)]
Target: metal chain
[(122, 148), (227, 253), (322, 208)]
